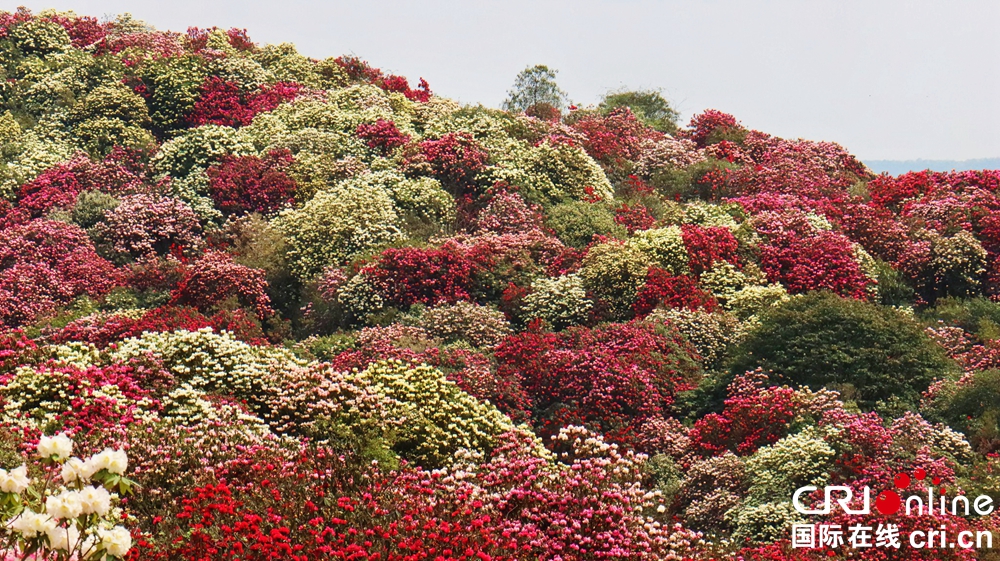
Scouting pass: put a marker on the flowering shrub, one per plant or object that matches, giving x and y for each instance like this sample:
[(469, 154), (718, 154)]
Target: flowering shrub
[(144, 225), (825, 260), (251, 184), (478, 325), (336, 226), (561, 301), (664, 247), (612, 377), (223, 103), (664, 289), (441, 418), (507, 213), (44, 264), (634, 218), (215, 277), (615, 273), (408, 276), (614, 138), (382, 135), (705, 246), (456, 158), (711, 126)]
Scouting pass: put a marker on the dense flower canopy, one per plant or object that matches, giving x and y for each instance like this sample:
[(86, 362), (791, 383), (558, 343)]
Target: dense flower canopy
[(333, 315)]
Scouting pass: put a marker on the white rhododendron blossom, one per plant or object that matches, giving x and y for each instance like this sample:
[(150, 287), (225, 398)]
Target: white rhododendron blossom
[(59, 447), (30, 523), (14, 481), (75, 470), (63, 538), (40, 519), (116, 541), (65, 505)]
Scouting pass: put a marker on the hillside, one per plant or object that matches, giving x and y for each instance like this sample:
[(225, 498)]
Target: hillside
[(255, 305)]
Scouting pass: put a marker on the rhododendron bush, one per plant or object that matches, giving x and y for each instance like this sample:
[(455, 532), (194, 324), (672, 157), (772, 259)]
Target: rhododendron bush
[(318, 311)]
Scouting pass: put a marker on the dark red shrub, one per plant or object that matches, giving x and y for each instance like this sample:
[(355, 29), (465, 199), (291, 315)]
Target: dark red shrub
[(456, 158), (215, 277), (753, 416), (410, 275), (382, 135), (705, 246), (242, 184), (634, 218), (710, 123), (225, 103), (614, 138), (611, 377), (825, 260), (664, 289)]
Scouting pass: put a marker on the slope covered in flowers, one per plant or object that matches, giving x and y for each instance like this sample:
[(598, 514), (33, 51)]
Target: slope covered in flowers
[(329, 314)]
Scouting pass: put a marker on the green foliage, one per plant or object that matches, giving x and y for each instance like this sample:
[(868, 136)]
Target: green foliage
[(174, 86), (442, 419), (535, 85), (337, 225), (691, 182), (576, 222), (615, 272), (822, 340), (91, 206), (893, 287), (649, 106), (979, 316), (261, 245), (971, 406)]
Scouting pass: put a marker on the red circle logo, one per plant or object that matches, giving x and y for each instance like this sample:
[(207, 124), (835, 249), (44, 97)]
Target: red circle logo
[(887, 502)]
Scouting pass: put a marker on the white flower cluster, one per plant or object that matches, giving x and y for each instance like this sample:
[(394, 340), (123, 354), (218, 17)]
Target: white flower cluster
[(75, 520), (561, 301)]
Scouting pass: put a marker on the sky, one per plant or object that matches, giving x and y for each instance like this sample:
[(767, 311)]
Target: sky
[(889, 80)]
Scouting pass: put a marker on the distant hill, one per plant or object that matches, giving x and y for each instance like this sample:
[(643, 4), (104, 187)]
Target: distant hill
[(896, 167)]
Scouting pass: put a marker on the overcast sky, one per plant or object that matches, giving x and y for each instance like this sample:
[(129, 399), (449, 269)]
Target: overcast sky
[(887, 79)]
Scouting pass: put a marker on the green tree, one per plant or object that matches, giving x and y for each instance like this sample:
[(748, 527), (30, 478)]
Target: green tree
[(872, 353), (972, 407), (535, 86), (649, 106)]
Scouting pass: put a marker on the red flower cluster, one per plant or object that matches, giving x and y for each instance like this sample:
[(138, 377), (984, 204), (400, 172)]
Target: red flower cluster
[(754, 416), (709, 122), (456, 158), (407, 276), (664, 289), (635, 217), (824, 260), (44, 264), (705, 246), (359, 70), (215, 277), (614, 138), (382, 135), (241, 184), (224, 103), (612, 377)]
